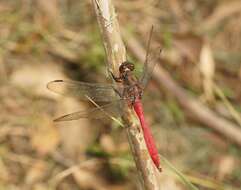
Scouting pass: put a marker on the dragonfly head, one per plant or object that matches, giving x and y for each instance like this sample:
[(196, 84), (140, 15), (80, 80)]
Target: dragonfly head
[(126, 66)]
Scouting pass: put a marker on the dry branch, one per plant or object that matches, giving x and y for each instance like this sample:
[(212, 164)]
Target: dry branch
[(116, 54), (200, 112)]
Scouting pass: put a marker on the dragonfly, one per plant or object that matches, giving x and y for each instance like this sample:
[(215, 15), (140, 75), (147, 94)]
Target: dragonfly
[(131, 91)]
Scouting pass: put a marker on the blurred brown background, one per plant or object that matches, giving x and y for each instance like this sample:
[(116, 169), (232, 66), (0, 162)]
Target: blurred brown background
[(44, 40)]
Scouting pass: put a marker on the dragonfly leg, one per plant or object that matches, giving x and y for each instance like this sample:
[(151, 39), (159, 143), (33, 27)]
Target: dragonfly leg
[(117, 79), (133, 101), (117, 91), (140, 90)]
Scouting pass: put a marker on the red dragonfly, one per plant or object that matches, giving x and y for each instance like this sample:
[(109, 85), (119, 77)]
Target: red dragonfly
[(131, 91)]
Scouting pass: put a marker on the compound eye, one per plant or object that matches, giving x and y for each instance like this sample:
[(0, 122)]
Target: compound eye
[(121, 68), (131, 66), (126, 66)]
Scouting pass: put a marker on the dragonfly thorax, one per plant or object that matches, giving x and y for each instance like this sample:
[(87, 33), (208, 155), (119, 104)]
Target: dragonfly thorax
[(126, 67), (132, 88)]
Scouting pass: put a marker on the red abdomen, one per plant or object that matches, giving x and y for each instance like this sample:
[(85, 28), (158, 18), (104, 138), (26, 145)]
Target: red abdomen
[(150, 143)]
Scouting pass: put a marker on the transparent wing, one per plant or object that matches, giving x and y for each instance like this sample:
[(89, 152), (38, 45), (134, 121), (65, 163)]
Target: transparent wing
[(109, 110), (148, 69), (95, 91), (149, 64)]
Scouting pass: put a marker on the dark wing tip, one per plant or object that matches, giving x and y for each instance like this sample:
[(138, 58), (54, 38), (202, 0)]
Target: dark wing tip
[(64, 118), (51, 82), (56, 120), (58, 80), (59, 119)]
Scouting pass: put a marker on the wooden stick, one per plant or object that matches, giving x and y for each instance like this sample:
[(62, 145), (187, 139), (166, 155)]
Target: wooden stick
[(116, 54)]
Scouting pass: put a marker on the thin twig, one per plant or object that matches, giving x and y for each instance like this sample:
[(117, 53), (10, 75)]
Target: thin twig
[(63, 174), (106, 113), (234, 113), (116, 54)]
